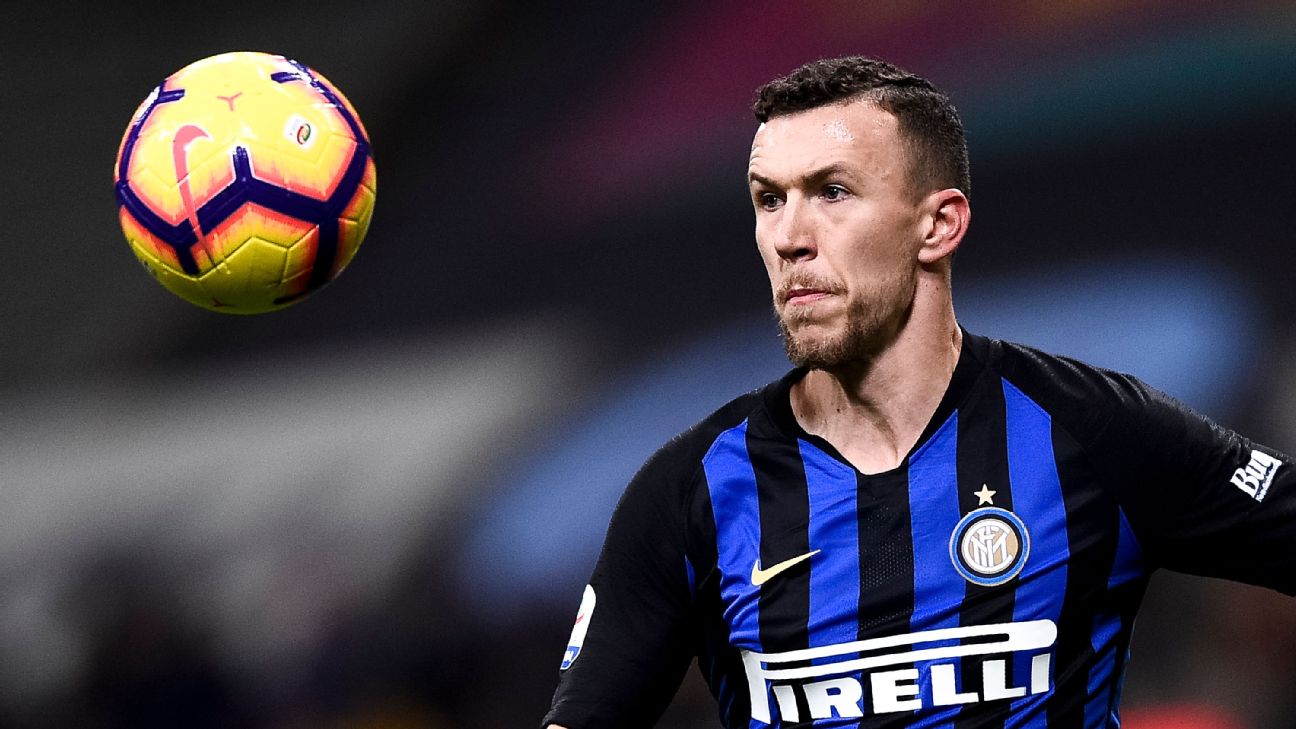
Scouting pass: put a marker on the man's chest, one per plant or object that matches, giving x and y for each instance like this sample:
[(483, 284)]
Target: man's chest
[(940, 584)]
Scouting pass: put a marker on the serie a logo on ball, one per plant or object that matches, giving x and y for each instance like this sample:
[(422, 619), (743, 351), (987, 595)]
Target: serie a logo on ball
[(245, 182), (989, 546)]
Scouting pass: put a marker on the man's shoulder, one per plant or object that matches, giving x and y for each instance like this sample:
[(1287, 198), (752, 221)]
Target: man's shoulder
[(1039, 369), (1082, 396)]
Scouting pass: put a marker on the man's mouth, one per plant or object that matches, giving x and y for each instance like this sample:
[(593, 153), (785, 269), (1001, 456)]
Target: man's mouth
[(802, 295)]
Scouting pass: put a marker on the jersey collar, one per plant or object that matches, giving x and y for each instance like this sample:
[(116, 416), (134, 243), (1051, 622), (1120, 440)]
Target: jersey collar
[(973, 358)]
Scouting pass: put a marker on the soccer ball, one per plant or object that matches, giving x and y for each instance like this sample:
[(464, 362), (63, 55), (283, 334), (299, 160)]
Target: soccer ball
[(245, 182)]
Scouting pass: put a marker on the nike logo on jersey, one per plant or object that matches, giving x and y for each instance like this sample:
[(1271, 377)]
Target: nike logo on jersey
[(761, 576)]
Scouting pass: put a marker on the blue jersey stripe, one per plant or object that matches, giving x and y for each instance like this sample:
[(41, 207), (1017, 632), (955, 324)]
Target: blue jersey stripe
[(934, 513), (1037, 500), (835, 571), (732, 483), (1103, 683), (834, 532)]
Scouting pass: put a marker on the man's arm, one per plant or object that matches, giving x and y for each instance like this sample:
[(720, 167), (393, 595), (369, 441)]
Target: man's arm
[(633, 639), (1201, 498)]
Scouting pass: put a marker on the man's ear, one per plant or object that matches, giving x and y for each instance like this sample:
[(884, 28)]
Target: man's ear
[(947, 214)]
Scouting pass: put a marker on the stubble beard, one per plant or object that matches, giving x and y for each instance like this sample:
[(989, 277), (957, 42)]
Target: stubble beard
[(870, 327)]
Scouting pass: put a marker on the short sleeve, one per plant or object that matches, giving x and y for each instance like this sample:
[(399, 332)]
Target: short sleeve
[(1201, 498)]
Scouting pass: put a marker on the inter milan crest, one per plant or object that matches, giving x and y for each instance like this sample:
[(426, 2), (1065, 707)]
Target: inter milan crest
[(989, 546)]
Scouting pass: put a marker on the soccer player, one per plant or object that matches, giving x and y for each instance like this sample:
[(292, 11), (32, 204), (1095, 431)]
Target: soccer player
[(917, 526)]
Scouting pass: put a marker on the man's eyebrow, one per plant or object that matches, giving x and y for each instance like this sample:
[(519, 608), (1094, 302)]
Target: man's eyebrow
[(809, 178)]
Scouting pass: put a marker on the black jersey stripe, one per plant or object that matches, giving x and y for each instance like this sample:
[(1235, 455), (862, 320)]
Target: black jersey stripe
[(1038, 501), (784, 505), (983, 482), (1091, 524), (886, 576), (983, 450), (720, 663)]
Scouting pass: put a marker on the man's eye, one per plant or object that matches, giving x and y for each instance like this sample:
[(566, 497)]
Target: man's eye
[(768, 200), (834, 192)]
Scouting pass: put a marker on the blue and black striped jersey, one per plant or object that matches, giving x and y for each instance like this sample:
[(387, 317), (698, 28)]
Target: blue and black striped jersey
[(991, 579)]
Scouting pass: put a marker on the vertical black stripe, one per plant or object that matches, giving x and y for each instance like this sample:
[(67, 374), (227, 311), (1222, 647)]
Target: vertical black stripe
[(1129, 596), (784, 518), (1093, 523), (885, 555), (886, 559), (784, 502), (983, 462)]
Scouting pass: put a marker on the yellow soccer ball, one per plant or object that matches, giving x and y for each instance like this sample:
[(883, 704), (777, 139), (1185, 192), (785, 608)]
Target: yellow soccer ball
[(245, 182)]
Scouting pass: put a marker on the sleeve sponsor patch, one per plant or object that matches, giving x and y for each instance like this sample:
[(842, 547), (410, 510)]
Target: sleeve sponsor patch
[(1255, 477), (577, 639)]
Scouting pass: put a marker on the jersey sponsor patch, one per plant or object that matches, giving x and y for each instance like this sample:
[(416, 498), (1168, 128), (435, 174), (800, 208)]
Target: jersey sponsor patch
[(577, 639), (989, 546), (901, 673), (1255, 477)]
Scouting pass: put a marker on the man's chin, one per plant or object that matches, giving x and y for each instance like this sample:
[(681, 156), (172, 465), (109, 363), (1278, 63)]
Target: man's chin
[(815, 352), (828, 348), (811, 329)]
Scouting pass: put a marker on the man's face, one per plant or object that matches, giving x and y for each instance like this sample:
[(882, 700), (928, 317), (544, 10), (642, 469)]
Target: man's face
[(838, 228)]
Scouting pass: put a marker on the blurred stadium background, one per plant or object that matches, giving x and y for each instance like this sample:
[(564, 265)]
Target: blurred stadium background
[(376, 509)]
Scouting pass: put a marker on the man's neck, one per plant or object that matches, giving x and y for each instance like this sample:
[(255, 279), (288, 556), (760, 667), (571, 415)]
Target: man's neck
[(874, 415)]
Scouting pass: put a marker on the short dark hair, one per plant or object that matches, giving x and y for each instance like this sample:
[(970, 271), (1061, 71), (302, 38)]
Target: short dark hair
[(928, 121)]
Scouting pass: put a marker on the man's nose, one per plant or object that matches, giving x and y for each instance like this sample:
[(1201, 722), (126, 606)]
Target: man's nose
[(795, 235)]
